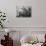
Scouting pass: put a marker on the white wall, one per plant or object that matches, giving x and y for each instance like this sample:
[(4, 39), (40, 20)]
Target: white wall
[(38, 18), (37, 22)]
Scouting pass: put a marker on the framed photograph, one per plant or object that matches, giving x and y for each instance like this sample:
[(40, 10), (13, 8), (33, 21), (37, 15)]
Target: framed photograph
[(24, 11)]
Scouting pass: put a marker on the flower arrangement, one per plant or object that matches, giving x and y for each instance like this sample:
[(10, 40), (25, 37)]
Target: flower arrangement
[(2, 19)]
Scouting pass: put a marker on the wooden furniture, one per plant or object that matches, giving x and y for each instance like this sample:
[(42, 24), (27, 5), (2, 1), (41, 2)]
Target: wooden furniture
[(8, 41), (44, 44)]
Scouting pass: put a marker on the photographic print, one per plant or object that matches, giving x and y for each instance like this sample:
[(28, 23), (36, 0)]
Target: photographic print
[(24, 11), (24, 8)]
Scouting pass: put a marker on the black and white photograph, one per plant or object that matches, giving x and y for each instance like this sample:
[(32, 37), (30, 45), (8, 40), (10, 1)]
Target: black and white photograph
[(24, 8), (24, 11)]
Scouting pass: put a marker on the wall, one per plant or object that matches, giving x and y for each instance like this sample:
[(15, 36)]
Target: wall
[(38, 18), (36, 23)]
